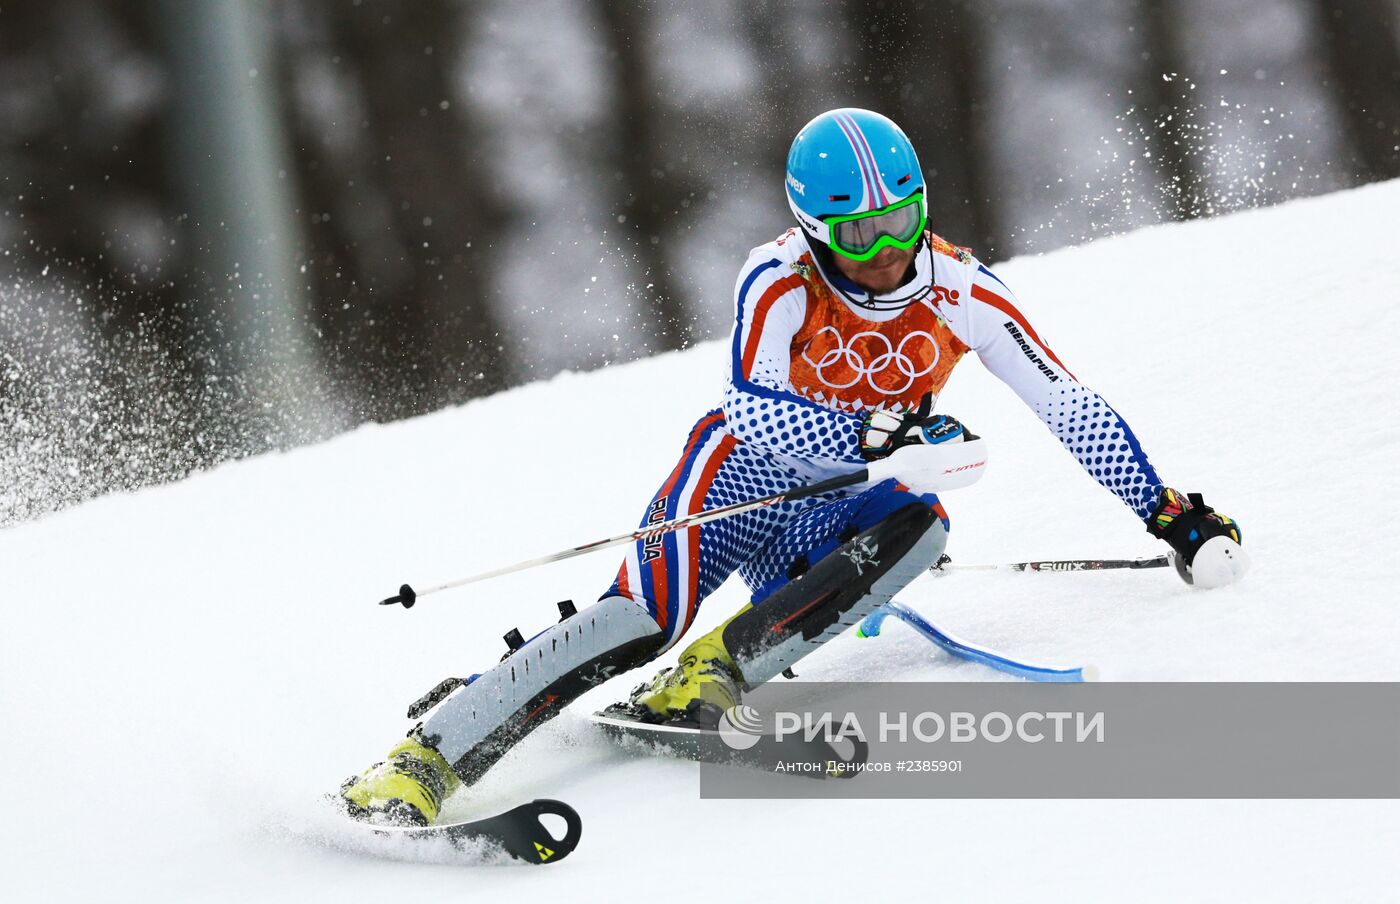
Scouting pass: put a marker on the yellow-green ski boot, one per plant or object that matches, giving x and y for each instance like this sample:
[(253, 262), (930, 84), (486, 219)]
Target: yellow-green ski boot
[(406, 789), (702, 686)]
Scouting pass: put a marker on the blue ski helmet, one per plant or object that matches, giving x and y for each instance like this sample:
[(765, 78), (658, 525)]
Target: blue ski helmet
[(851, 162)]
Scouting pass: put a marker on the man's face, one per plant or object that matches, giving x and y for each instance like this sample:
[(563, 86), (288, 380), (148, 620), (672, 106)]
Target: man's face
[(882, 273)]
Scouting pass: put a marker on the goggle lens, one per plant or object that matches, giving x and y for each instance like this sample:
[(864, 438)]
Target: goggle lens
[(860, 236)]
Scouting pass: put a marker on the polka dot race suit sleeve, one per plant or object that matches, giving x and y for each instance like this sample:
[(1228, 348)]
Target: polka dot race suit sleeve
[(760, 405), (988, 320)]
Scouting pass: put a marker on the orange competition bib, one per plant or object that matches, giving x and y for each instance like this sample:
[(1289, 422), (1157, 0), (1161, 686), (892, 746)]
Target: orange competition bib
[(844, 361)]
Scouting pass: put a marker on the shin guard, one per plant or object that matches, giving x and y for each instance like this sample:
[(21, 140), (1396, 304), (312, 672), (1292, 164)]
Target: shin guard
[(835, 593), (487, 715)]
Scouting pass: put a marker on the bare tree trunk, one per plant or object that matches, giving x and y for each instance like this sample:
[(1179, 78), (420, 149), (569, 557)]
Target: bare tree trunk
[(1167, 109), (961, 40), (782, 102), (362, 274), (72, 161), (649, 191), (438, 189), (918, 63), (1359, 39)]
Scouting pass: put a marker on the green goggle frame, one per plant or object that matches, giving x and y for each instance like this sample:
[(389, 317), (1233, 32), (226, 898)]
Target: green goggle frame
[(861, 236)]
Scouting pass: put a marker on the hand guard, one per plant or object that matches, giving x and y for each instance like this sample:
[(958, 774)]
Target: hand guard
[(882, 432), (1207, 543), (925, 468)]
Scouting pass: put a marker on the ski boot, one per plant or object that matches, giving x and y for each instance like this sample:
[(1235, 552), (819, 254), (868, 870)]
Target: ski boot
[(407, 789), (701, 687)]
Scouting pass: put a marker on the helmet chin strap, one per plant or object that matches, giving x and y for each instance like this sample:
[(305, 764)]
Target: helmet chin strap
[(916, 288)]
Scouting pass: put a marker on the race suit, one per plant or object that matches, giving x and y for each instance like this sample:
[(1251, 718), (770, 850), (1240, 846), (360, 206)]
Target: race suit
[(805, 365)]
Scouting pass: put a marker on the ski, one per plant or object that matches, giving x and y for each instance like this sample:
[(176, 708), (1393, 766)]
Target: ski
[(743, 747), (972, 652), (517, 832)]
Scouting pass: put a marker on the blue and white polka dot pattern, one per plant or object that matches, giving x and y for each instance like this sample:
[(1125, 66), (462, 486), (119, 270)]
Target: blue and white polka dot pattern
[(817, 532), (762, 544), (788, 424), (1103, 444)]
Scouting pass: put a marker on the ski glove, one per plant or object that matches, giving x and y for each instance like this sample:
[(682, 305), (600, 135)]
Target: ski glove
[(1207, 543), (882, 432)]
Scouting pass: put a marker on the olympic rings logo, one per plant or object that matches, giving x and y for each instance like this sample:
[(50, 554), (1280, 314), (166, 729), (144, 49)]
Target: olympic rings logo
[(893, 362)]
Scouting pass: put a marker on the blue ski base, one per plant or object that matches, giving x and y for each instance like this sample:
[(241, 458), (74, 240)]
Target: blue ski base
[(870, 627)]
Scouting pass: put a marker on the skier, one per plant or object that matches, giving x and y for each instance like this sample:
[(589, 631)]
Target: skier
[(845, 332)]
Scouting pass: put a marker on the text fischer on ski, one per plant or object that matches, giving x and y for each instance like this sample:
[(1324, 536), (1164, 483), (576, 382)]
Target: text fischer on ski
[(845, 331)]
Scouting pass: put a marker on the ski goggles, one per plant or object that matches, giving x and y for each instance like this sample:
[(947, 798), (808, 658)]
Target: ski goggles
[(861, 236)]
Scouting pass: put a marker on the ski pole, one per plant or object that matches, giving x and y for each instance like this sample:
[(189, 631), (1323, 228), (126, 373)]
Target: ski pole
[(952, 466), (946, 564), (407, 596)]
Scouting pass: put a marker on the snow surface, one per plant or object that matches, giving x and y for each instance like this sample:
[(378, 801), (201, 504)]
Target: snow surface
[(184, 670)]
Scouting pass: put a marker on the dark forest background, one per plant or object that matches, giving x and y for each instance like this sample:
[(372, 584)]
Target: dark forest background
[(228, 226)]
